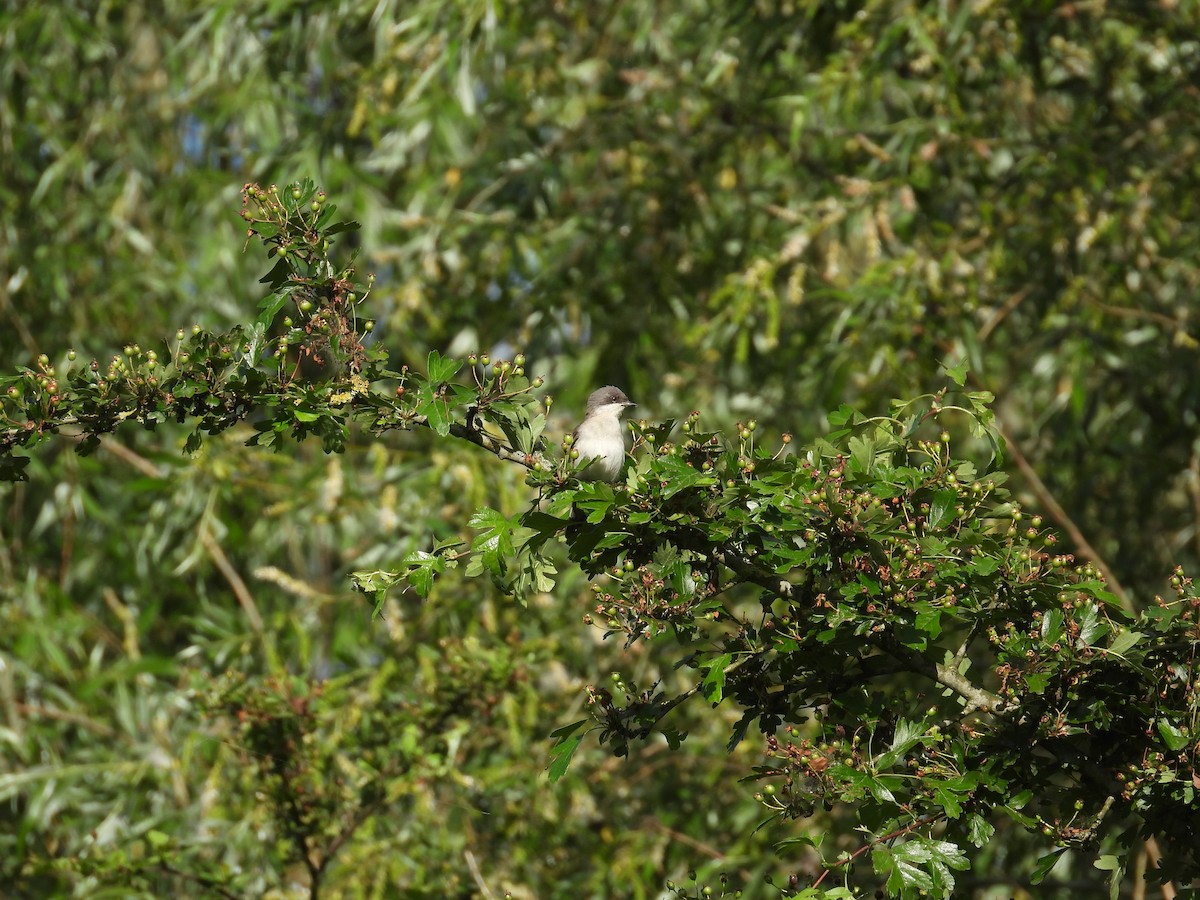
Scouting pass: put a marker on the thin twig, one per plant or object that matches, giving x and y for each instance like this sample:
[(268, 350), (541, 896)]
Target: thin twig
[(1146, 314), (221, 561), (682, 838), (477, 875), (1002, 313)]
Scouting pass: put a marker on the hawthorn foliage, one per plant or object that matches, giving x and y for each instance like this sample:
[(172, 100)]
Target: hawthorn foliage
[(906, 642)]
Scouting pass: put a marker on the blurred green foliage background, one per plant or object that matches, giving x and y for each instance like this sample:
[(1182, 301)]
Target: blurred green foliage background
[(749, 208)]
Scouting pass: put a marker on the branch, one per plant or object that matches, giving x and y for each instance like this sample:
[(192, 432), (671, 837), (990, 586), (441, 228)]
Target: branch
[(469, 432), (748, 571), (947, 676)]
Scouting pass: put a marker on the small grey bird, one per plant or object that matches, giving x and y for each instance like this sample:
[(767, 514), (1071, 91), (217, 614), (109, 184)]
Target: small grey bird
[(600, 437)]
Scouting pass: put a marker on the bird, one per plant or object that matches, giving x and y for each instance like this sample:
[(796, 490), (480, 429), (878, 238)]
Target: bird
[(600, 439)]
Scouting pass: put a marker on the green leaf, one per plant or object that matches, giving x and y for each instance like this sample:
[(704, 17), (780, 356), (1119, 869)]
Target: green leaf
[(1174, 738), (1091, 627), (494, 545), (674, 737), (949, 801), (985, 565), (979, 829), (1052, 625), (278, 276), (929, 620), (564, 748), (340, 227), (521, 430), (270, 305), (377, 584), (12, 468), (881, 788), (1113, 864), (957, 373), (1036, 682), (1045, 864), (862, 453), (422, 567), (437, 413), (941, 510), (1100, 591), (1124, 641), (442, 368), (679, 476), (902, 871), (713, 686), (842, 415), (906, 736)]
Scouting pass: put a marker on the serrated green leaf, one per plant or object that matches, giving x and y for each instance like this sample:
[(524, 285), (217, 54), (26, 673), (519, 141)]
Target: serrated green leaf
[(713, 685), (564, 748), (442, 368), (862, 453), (494, 545), (979, 829), (929, 620), (437, 413), (901, 870), (906, 736), (985, 565), (1036, 682), (957, 373)]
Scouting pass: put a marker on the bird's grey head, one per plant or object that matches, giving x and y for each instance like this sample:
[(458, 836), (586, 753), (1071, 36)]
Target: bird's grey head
[(608, 396)]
